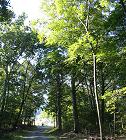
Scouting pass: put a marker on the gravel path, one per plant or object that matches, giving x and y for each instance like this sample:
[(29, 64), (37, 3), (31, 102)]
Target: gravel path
[(37, 135)]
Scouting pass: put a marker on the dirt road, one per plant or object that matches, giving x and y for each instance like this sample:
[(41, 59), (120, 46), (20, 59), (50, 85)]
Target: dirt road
[(38, 135)]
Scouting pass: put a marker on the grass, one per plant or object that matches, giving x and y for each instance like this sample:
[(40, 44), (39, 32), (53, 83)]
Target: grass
[(15, 135), (12, 135), (51, 133)]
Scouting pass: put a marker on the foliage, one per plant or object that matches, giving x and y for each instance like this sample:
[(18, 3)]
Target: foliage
[(85, 28), (5, 13), (20, 93), (115, 100), (58, 64)]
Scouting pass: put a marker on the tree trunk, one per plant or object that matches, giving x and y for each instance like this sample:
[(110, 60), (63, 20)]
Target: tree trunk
[(114, 123), (102, 103), (21, 107), (59, 112), (96, 96), (24, 97), (4, 96), (74, 103)]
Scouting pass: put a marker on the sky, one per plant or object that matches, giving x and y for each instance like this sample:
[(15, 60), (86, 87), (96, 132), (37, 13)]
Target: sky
[(30, 7)]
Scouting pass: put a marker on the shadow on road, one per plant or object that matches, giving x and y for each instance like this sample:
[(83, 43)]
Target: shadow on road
[(38, 134)]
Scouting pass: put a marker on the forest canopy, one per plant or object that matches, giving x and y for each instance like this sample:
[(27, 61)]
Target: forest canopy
[(77, 60)]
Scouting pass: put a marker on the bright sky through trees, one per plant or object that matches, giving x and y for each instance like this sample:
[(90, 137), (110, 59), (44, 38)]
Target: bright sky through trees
[(30, 7)]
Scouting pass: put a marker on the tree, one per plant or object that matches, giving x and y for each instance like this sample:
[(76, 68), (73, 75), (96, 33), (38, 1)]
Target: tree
[(5, 13), (17, 42), (86, 28), (53, 60)]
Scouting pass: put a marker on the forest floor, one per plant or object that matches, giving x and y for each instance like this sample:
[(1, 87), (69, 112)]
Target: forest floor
[(37, 133), (80, 136), (48, 133)]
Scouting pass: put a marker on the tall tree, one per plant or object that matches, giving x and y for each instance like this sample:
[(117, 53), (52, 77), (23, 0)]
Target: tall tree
[(84, 28)]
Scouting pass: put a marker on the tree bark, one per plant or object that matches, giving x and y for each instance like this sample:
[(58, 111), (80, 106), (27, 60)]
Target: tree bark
[(74, 103), (96, 96), (4, 96), (102, 102), (59, 112)]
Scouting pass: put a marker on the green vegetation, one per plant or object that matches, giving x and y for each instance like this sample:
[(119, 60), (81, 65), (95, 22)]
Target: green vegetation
[(5, 13), (51, 133), (77, 62), (13, 135)]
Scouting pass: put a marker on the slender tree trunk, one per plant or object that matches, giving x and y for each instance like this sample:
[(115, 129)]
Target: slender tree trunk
[(21, 107), (102, 103), (4, 96), (54, 121), (96, 97), (24, 97), (102, 93), (114, 123), (74, 102), (59, 112), (122, 125), (90, 94)]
